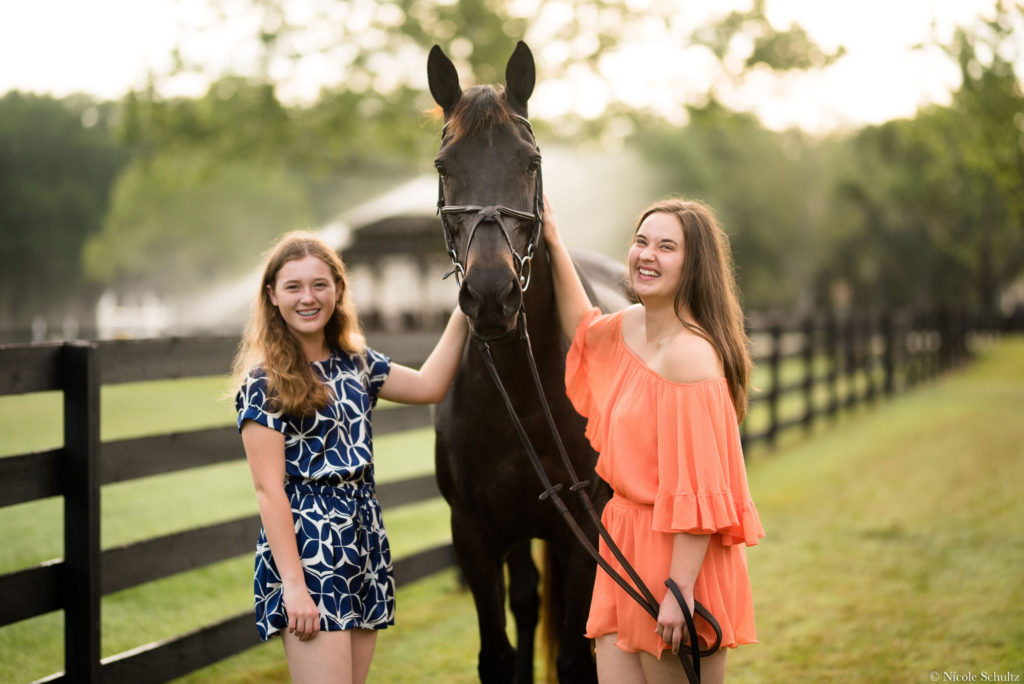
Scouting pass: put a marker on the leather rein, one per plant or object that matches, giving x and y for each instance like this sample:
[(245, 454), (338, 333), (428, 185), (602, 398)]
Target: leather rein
[(638, 591), (641, 594)]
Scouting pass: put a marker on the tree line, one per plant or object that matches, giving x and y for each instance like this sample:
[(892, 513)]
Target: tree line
[(171, 193)]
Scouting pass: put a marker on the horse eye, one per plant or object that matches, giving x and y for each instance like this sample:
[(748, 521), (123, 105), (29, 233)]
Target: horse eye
[(534, 167), (441, 170)]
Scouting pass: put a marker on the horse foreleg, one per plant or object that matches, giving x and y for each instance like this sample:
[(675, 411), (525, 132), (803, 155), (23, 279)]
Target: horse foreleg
[(482, 567), (524, 601), (575, 659)]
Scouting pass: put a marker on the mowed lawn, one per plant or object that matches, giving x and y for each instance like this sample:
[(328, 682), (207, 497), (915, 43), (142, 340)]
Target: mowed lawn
[(894, 547), (895, 550)]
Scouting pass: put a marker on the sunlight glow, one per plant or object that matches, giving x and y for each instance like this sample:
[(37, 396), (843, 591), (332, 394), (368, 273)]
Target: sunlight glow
[(107, 47)]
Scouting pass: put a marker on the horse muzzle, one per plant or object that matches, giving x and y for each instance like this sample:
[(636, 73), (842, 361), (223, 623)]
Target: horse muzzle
[(491, 298)]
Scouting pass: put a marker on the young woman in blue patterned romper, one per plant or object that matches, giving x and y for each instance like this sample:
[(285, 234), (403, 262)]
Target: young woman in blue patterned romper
[(323, 575)]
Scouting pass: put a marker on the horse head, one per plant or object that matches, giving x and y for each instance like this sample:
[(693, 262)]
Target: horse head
[(489, 195)]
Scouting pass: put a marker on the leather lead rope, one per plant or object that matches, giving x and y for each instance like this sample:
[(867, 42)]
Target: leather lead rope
[(641, 594)]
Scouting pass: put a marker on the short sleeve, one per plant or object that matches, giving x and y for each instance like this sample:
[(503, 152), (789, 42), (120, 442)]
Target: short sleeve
[(252, 404), (582, 385), (377, 368), (702, 479)]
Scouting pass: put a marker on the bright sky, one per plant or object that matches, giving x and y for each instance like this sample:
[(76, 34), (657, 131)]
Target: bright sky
[(106, 47)]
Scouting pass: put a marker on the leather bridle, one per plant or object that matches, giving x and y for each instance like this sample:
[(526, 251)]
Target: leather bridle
[(494, 213)]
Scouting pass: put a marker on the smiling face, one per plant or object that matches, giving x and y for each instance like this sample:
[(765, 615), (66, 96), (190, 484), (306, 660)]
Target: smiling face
[(306, 294), (656, 258)]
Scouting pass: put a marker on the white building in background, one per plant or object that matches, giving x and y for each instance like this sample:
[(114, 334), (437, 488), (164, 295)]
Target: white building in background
[(142, 315), (394, 251)]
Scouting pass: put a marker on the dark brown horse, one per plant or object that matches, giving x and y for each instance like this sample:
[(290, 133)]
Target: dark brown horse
[(489, 168)]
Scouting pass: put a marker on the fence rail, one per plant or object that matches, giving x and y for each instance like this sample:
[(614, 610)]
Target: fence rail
[(841, 363), (77, 471)]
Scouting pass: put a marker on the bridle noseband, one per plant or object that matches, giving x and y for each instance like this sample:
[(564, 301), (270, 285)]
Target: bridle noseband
[(523, 264)]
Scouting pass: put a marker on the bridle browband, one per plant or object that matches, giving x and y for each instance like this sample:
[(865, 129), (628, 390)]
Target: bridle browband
[(523, 264)]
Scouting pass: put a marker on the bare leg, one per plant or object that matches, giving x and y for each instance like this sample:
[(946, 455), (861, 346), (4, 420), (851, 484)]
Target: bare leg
[(324, 659), (615, 666), (669, 670), (363, 643)]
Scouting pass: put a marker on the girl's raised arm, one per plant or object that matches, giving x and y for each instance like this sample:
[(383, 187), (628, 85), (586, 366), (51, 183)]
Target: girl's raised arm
[(429, 384), (570, 297)]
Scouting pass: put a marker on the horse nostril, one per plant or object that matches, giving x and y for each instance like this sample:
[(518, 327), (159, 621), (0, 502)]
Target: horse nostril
[(469, 302), (512, 299)]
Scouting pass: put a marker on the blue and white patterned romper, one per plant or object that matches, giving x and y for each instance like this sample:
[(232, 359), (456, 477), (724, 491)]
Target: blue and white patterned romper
[(342, 543)]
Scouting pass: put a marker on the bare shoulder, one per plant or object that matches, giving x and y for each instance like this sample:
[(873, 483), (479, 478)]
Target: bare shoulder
[(633, 315), (691, 358)]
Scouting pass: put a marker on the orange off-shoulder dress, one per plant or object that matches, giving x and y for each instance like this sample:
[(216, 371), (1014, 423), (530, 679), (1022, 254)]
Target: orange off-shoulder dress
[(671, 453)]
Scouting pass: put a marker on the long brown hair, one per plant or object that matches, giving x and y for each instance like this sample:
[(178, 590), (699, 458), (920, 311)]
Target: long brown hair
[(267, 343), (708, 290)]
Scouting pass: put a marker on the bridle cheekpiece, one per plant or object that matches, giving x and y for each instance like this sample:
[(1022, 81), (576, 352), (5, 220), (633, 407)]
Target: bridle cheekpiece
[(523, 263)]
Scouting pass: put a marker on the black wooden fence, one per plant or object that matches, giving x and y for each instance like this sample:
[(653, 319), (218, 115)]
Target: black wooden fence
[(817, 366), (78, 470), (837, 364)]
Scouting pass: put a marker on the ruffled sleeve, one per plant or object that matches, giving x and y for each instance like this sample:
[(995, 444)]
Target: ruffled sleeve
[(252, 403), (585, 381), (702, 479)]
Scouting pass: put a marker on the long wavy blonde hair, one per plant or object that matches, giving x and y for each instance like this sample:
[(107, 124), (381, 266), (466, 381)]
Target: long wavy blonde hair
[(708, 289), (267, 342)]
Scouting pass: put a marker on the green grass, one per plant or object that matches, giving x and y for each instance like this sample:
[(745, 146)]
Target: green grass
[(895, 546), (154, 506)]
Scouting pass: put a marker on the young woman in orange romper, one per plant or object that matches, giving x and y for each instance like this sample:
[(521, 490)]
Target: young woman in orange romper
[(663, 386)]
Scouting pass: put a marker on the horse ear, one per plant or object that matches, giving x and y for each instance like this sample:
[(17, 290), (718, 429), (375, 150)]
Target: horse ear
[(443, 80), (520, 75)]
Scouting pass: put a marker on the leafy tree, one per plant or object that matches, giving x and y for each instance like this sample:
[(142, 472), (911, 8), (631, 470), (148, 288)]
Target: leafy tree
[(766, 188), (986, 143), (938, 200), (779, 50), (178, 221), (892, 197), (378, 47), (57, 162), (366, 121), (230, 168)]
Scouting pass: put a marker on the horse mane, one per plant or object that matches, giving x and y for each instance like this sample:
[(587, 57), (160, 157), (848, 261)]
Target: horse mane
[(481, 108)]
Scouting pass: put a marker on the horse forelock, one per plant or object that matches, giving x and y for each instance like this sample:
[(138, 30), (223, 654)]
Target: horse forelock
[(480, 109)]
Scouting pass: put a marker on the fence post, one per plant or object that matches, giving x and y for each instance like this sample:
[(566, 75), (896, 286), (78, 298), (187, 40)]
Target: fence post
[(960, 325), (945, 332), (773, 393), (888, 354), (919, 347), (809, 330), (832, 351), (869, 361), (80, 374), (850, 370)]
